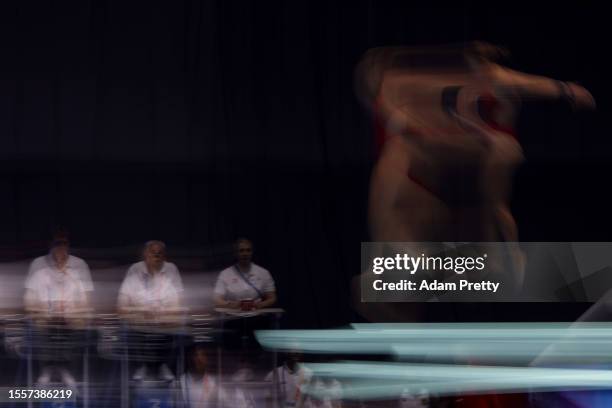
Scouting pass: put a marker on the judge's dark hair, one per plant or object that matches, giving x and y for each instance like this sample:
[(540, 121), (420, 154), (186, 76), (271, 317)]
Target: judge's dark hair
[(59, 243), (240, 241), (193, 349), (61, 237)]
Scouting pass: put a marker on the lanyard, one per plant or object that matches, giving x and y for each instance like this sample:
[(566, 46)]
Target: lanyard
[(248, 282)]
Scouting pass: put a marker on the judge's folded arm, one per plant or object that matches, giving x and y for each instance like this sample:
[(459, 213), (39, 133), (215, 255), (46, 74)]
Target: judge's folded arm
[(167, 315), (221, 302), (37, 310), (268, 299)]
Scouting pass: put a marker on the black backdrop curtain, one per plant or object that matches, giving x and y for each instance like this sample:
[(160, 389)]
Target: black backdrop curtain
[(199, 121)]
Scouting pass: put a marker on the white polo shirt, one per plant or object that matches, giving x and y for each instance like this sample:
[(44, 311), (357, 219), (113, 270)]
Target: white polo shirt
[(203, 392), (142, 289), (290, 383), (234, 285), (74, 264), (416, 400), (60, 291), (332, 391)]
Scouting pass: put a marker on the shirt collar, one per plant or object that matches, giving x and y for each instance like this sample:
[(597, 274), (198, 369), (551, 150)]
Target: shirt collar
[(53, 265), (145, 271), (248, 271)]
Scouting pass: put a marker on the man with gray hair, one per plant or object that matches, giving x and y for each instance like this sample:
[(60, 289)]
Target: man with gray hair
[(151, 295)]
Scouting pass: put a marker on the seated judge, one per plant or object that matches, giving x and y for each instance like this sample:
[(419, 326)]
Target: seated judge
[(244, 285), (199, 385), (57, 298), (58, 284), (152, 290), (151, 297)]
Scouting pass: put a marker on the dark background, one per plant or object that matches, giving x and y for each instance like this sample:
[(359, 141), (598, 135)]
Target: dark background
[(197, 122)]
